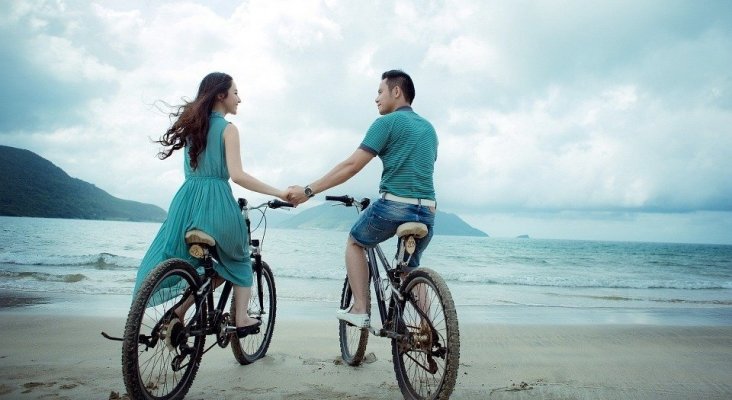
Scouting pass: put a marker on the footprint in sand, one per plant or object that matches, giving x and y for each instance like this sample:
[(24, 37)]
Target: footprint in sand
[(320, 364), (5, 389), (29, 386)]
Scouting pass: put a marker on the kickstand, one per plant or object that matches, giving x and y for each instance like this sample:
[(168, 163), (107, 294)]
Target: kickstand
[(111, 337)]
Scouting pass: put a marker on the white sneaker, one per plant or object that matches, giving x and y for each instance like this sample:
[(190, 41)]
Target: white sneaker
[(357, 320)]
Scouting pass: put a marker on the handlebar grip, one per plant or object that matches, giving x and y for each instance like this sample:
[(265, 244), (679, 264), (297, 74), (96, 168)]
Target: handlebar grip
[(279, 203), (242, 203), (347, 200)]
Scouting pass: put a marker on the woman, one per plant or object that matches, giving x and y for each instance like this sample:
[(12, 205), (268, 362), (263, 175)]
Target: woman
[(205, 200)]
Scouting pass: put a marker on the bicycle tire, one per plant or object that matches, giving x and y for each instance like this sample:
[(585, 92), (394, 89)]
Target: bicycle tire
[(352, 340), (153, 344), (426, 366), (253, 347)]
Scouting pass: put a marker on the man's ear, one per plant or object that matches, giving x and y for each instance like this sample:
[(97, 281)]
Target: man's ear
[(396, 92)]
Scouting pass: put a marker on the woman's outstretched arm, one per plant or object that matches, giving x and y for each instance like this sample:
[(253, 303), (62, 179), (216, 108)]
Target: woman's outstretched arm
[(233, 163)]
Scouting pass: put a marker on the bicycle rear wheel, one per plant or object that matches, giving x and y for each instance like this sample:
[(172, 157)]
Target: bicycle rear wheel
[(426, 361), (253, 347), (353, 340), (159, 358)]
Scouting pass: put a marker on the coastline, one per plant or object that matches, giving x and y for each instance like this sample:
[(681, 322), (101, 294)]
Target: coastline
[(51, 351), (106, 305)]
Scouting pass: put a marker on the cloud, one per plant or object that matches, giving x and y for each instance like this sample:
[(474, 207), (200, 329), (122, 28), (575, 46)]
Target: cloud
[(42, 70), (463, 54), (616, 150), (541, 107)]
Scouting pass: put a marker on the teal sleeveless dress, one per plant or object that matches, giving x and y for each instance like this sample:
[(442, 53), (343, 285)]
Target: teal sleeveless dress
[(205, 202)]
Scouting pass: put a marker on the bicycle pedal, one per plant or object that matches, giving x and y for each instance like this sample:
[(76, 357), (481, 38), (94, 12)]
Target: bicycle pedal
[(243, 332), (249, 330)]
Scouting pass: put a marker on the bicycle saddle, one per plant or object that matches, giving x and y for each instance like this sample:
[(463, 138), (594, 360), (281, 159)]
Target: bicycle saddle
[(195, 236), (195, 239), (418, 229)]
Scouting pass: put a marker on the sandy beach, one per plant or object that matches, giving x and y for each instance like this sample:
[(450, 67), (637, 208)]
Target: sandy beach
[(47, 356)]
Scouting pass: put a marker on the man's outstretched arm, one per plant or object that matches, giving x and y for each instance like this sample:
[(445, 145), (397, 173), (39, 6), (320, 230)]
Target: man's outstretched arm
[(342, 172)]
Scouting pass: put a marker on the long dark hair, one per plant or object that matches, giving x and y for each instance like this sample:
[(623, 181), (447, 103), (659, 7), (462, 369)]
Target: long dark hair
[(191, 118)]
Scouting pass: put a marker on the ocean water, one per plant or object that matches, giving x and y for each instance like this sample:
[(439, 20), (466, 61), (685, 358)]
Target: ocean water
[(91, 265)]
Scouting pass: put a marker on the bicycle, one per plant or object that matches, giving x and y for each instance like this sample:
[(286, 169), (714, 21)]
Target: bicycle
[(417, 313), (160, 352)]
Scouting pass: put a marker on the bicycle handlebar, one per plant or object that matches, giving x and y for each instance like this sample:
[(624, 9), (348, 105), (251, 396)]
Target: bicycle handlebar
[(271, 204), (349, 201), (279, 203)]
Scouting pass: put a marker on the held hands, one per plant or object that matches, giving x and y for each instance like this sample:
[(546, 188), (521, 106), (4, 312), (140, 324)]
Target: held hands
[(284, 196), (296, 195)]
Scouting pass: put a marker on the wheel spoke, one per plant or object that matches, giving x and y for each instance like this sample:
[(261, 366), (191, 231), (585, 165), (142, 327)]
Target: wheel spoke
[(353, 340), (426, 361), (152, 342)]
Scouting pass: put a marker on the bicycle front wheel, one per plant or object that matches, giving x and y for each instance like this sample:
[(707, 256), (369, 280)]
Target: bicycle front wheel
[(253, 347), (426, 359), (353, 340), (160, 358)]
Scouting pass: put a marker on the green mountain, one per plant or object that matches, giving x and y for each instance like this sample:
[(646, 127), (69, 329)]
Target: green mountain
[(336, 217), (31, 186)]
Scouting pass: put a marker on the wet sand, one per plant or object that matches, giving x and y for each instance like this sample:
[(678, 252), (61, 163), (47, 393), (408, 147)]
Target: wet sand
[(54, 356)]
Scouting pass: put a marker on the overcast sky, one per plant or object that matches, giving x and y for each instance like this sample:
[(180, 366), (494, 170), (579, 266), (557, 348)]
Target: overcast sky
[(581, 119)]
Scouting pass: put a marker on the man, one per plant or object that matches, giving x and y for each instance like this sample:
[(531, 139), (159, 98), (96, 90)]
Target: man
[(407, 146)]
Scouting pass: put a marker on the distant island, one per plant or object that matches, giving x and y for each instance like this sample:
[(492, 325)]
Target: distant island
[(31, 186), (334, 217)]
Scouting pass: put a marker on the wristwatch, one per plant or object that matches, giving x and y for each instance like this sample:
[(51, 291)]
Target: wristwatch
[(309, 191)]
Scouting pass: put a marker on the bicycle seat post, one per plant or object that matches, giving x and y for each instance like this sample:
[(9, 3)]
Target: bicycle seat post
[(200, 246), (408, 234)]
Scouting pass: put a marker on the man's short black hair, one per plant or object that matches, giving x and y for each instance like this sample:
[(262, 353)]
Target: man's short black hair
[(397, 77)]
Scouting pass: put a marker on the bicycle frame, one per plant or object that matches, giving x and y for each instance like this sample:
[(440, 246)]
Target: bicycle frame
[(376, 256), (393, 273), (206, 291), (417, 313), (164, 339), (373, 255)]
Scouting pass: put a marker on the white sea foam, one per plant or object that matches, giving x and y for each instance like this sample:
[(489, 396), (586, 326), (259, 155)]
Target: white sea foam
[(102, 258)]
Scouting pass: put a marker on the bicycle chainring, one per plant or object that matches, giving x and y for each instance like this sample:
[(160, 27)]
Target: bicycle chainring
[(223, 337)]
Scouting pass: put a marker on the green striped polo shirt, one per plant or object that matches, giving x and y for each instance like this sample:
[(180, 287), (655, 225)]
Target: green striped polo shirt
[(407, 146)]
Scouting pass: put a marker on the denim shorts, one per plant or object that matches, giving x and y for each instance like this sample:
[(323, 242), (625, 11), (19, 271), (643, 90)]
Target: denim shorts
[(380, 221)]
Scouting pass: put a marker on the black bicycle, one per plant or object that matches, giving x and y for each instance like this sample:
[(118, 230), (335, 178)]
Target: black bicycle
[(417, 314), (161, 351)]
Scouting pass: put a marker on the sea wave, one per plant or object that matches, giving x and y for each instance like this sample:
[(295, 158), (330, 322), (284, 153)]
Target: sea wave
[(584, 281), (574, 282), (99, 261), (42, 276), (112, 270), (671, 300)]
